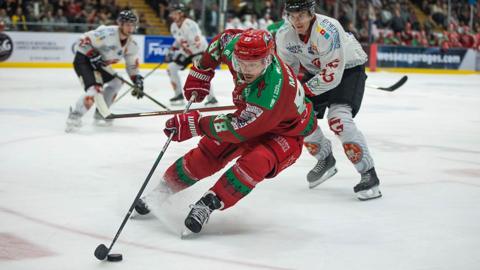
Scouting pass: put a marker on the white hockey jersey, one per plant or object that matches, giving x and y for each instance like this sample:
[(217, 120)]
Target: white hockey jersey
[(327, 53), (106, 41), (188, 38)]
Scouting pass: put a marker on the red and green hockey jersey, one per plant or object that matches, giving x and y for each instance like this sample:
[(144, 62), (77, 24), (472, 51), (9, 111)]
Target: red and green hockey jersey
[(274, 103)]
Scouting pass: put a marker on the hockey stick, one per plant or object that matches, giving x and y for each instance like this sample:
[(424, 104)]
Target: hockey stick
[(391, 88), (157, 113), (134, 86), (131, 88), (101, 252)]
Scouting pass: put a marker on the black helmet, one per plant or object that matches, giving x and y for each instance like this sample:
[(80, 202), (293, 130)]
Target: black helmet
[(300, 5), (127, 16), (178, 6)]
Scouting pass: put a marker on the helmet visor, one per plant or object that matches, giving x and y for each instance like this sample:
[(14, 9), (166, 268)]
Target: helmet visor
[(251, 67)]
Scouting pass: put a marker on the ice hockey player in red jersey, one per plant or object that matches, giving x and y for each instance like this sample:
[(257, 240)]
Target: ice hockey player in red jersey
[(265, 132)]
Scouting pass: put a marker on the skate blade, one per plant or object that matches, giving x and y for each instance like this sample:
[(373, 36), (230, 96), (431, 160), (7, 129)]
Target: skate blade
[(369, 194), (331, 172), (101, 123), (187, 234)]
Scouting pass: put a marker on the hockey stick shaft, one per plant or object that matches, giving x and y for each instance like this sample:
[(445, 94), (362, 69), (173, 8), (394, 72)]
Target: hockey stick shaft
[(145, 183), (131, 88), (158, 113), (113, 73)]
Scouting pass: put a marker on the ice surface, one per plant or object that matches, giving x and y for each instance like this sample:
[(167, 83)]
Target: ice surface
[(63, 194)]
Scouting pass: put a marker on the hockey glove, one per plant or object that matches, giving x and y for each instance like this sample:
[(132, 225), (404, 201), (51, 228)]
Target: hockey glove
[(138, 90), (170, 55), (184, 126), (96, 61), (198, 81)]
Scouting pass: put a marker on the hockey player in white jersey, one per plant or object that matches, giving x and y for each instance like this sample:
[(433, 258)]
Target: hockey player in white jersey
[(96, 50), (187, 48), (333, 63)]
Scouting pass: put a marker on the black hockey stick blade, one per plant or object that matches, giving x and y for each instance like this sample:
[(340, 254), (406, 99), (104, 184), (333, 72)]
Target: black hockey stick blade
[(395, 86)]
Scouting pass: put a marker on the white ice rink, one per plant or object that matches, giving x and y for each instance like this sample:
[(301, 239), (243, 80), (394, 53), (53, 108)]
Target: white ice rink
[(63, 194)]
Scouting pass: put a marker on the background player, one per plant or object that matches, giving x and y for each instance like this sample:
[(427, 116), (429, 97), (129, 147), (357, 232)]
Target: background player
[(187, 48), (100, 48), (333, 61)]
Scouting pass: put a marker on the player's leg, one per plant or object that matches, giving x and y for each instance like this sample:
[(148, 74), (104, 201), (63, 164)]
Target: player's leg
[(110, 91), (92, 83), (355, 146), (200, 162), (264, 160), (344, 105), (173, 70), (320, 147)]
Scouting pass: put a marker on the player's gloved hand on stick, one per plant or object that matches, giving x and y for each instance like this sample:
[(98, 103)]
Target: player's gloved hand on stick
[(198, 80), (96, 61), (138, 91), (169, 55), (185, 126)]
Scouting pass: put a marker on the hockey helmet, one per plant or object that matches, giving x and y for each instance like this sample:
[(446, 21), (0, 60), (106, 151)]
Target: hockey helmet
[(254, 44), (300, 5), (178, 6), (127, 16)]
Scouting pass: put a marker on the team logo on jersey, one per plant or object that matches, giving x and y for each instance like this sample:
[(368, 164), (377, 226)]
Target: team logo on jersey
[(323, 32), (294, 48), (353, 151), (6, 47), (312, 148), (316, 62)]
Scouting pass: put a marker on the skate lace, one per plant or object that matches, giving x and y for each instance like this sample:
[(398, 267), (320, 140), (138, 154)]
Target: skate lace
[(320, 166), (365, 178), (200, 212)]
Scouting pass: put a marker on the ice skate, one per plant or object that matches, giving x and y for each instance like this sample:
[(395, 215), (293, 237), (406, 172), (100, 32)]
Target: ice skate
[(74, 121), (177, 100), (322, 171), (100, 121), (200, 213), (211, 102), (367, 189), (160, 194)]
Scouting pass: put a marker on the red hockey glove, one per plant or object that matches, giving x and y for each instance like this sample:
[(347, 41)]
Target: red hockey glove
[(185, 126), (198, 81)]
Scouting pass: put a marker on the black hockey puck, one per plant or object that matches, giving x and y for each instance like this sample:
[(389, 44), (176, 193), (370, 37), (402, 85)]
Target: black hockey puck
[(114, 257), (101, 252)]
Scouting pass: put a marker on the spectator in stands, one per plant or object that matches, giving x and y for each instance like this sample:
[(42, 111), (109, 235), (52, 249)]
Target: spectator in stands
[(398, 22), (61, 21), (19, 21), (5, 19), (48, 21), (142, 24)]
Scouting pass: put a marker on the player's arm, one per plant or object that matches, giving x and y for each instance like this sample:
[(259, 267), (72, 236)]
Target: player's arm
[(332, 55), (284, 54), (203, 71), (132, 68), (250, 122)]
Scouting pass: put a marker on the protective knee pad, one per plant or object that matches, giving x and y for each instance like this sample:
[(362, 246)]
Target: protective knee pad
[(241, 178), (111, 90), (318, 145), (354, 144)]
